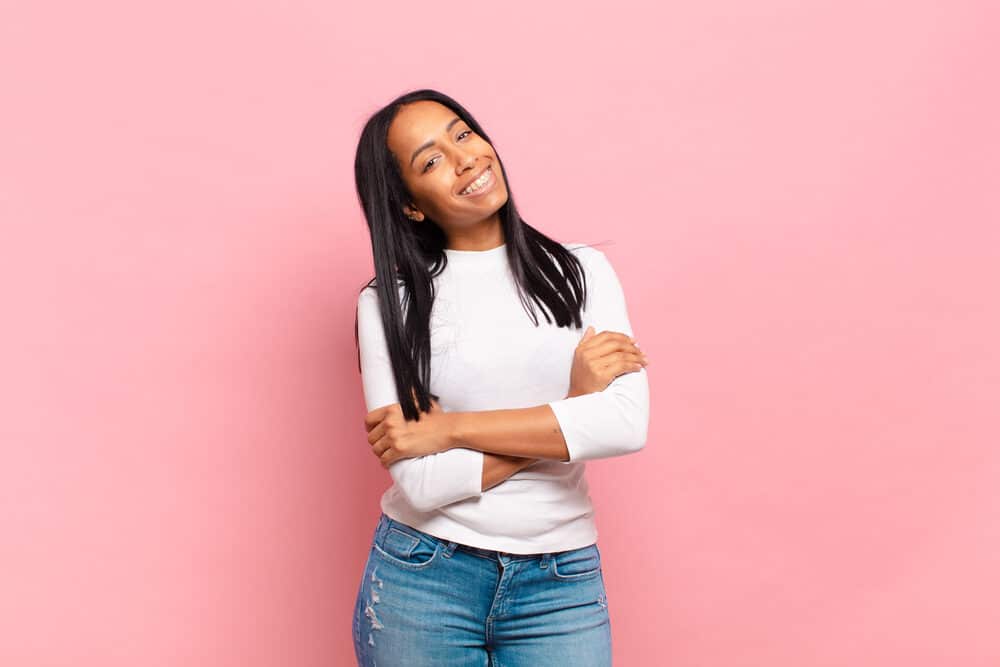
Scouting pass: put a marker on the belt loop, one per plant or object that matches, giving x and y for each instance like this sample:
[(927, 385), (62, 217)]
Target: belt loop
[(544, 562), (449, 548)]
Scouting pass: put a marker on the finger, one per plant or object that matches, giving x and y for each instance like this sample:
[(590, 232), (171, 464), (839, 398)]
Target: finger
[(616, 363), (388, 458), (604, 337), (629, 358), (376, 415), (624, 367), (611, 346), (380, 446), (376, 433), (637, 358)]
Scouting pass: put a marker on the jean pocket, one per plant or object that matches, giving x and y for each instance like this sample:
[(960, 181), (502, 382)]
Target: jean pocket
[(410, 550), (576, 564)]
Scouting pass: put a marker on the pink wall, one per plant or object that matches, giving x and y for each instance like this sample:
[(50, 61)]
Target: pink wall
[(804, 203)]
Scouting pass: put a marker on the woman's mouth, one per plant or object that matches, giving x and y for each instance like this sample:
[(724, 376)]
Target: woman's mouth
[(481, 185)]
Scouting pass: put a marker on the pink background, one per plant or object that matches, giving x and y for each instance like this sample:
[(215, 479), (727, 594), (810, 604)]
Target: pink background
[(803, 200)]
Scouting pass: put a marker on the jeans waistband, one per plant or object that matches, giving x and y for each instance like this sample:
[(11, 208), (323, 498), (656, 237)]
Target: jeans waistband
[(386, 522)]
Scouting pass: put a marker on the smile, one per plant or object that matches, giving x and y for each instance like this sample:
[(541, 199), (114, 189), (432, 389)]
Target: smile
[(481, 185)]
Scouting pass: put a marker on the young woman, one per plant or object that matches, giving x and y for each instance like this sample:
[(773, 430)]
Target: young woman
[(484, 414)]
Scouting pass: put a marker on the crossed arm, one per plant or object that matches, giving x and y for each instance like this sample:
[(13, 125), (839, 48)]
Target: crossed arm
[(474, 451), (500, 435), (498, 467)]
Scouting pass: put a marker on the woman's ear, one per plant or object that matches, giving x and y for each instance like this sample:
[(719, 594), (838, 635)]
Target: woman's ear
[(413, 213)]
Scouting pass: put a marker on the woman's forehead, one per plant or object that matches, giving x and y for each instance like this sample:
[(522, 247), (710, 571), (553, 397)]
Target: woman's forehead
[(419, 122)]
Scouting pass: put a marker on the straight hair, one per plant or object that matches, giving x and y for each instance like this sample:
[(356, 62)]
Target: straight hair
[(410, 255)]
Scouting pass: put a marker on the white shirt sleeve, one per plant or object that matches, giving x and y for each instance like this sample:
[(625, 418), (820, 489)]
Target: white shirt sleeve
[(430, 481), (612, 422)]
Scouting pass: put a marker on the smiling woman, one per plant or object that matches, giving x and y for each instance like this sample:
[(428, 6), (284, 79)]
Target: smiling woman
[(466, 387), (450, 177)]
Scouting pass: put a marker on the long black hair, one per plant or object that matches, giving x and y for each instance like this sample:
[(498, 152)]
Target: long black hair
[(411, 255)]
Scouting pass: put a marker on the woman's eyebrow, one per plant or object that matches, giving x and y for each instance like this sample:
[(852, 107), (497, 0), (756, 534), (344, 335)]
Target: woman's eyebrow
[(430, 143)]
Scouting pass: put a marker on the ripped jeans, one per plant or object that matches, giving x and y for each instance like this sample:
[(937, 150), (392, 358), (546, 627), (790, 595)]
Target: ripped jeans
[(425, 601)]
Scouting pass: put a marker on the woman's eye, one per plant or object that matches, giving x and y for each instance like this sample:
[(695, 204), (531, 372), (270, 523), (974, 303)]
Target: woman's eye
[(430, 162)]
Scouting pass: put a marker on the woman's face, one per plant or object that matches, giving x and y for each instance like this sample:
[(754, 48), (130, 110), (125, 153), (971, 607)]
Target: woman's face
[(439, 157)]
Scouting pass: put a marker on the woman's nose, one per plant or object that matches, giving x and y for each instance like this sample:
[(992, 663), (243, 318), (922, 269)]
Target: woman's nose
[(466, 161)]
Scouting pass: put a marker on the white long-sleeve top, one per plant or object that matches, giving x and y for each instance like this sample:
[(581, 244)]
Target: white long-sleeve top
[(487, 354)]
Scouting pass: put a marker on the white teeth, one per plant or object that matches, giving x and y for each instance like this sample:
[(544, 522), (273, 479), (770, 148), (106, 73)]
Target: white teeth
[(478, 183)]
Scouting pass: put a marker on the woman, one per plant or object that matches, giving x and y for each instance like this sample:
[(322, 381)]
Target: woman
[(485, 551)]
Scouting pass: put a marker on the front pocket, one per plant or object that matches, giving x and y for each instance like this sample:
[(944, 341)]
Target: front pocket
[(577, 563), (406, 550)]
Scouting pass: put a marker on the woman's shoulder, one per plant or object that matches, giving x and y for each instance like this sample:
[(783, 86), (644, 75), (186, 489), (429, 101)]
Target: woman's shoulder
[(368, 297), (588, 255)]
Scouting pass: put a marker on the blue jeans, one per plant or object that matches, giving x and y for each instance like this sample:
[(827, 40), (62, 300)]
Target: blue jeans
[(425, 601)]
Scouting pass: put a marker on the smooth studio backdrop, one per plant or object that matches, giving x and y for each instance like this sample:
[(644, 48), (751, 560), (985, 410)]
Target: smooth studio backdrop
[(802, 200)]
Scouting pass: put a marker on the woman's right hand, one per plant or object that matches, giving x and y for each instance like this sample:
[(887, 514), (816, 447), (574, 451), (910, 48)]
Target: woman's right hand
[(600, 358)]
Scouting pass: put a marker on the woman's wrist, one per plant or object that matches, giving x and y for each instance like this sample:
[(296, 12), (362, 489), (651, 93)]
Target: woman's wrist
[(450, 428)]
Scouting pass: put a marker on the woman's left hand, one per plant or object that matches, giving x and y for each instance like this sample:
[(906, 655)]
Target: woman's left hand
[(392, 437)]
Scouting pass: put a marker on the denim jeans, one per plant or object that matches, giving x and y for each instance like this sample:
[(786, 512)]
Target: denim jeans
[(425, 601)]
